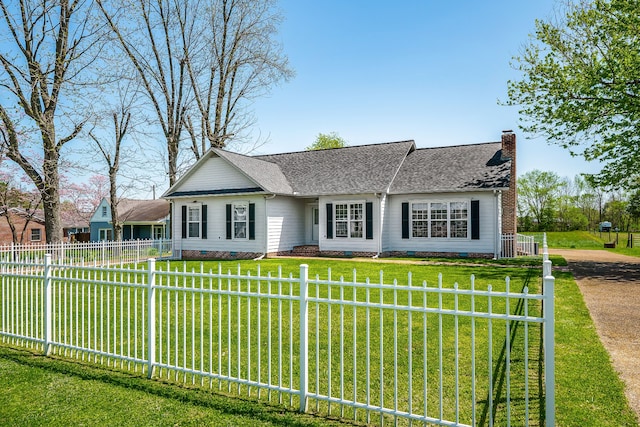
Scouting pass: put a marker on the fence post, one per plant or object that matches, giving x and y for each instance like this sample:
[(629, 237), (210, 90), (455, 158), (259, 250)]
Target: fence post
[(47, 304), (549, 344), (151, 313), (304, 330)]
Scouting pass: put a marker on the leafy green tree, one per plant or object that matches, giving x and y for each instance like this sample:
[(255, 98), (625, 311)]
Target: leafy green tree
[(633, 206), (581, 83), (327, 140), (538, 197), (616, 211)]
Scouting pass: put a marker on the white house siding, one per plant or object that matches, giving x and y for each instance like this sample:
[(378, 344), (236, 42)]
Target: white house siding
[(286, 219), (216, 240), (392, 237), (341, 244), (218, 172)]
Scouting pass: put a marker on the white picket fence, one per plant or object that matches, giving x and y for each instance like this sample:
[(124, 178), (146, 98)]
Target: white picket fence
[(88, 253), (371, 351), (514, 245)]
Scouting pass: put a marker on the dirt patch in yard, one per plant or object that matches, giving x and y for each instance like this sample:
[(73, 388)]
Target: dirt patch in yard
[(610, 285)]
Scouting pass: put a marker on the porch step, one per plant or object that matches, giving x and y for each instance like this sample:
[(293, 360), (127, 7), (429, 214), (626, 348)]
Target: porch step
[(306, 250)]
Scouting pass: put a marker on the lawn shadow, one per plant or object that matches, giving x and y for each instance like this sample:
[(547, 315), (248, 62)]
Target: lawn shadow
[(500, 367), (192, 395)]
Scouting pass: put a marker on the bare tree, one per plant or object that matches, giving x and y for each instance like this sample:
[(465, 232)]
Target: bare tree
[(233, 60), (111, 155), (199, 62), (48, 46), (146, 30)]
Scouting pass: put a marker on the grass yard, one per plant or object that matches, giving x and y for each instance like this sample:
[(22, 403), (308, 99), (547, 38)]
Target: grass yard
[(588, 240), (588, 391)]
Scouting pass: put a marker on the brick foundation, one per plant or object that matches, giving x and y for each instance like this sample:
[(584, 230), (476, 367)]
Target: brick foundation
[(347, 254), (406, 254), (215, 255)]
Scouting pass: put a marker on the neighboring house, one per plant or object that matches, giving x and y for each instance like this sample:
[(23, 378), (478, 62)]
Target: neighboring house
[(28, 225), (373, 200), (75, 227), (141, 219)]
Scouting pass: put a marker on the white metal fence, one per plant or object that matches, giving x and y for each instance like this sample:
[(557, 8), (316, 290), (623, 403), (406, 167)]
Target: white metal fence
[(372, 351), (513, 245), (88, 253)]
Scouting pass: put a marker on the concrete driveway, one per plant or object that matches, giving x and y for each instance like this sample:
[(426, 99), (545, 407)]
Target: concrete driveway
[(610, 285)]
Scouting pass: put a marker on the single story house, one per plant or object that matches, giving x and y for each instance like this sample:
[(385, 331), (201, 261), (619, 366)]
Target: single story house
[(28, 226), (372, 200), (141, 219)]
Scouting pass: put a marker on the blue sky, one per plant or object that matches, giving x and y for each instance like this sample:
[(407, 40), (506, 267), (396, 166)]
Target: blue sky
[(379, 71)]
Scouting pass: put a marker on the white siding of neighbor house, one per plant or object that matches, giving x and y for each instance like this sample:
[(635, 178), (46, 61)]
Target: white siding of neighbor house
[(286, 221), (392, 236), (349, 244), (217, 225), (218, 171)]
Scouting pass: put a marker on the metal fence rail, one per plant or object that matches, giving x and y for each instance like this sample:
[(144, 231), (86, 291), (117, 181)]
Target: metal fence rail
[(372, 351), (89, 253)]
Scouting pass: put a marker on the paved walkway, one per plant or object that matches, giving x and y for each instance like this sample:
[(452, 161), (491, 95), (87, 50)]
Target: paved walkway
[(610, 285)]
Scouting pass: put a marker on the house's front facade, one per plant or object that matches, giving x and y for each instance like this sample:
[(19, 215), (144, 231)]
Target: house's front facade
[(140, 219), (28, 227), (374, 200)]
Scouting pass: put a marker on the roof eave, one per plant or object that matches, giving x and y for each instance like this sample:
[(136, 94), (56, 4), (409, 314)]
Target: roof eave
[(450, 190)]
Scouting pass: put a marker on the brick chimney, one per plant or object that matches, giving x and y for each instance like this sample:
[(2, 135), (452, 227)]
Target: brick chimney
[(509, 205)]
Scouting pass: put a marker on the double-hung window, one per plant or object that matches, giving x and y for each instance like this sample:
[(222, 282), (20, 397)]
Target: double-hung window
[(349, 219), (459, 220), (36, 234), (440, 219), (193, 221), (420, 219), (240, 220)]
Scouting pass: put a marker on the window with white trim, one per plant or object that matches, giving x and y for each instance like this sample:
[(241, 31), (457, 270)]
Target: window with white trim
[(349, 220), (105, 234), (36, 234), (193, 220), (240, 218), (440, 219), (104, 212)]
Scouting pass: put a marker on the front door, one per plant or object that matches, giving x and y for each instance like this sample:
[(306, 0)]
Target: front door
[(315, 221)]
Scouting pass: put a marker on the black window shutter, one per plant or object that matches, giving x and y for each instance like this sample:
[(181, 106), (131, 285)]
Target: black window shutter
[(204, 221), (329, 220), (228, 221), (405, 220), (252, 221), (475, 219), (369, 220), (184, 222)]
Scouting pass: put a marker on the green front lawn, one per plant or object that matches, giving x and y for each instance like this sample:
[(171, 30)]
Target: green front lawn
[(46, 391)]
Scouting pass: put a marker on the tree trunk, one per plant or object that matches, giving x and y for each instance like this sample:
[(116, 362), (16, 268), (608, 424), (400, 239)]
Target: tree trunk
[(113, 199)]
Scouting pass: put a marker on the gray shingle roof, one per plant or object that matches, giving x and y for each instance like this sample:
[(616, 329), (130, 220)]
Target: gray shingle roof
[(267, 175), (350, 170), (455, 168), (131, 210), (397, 167)]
